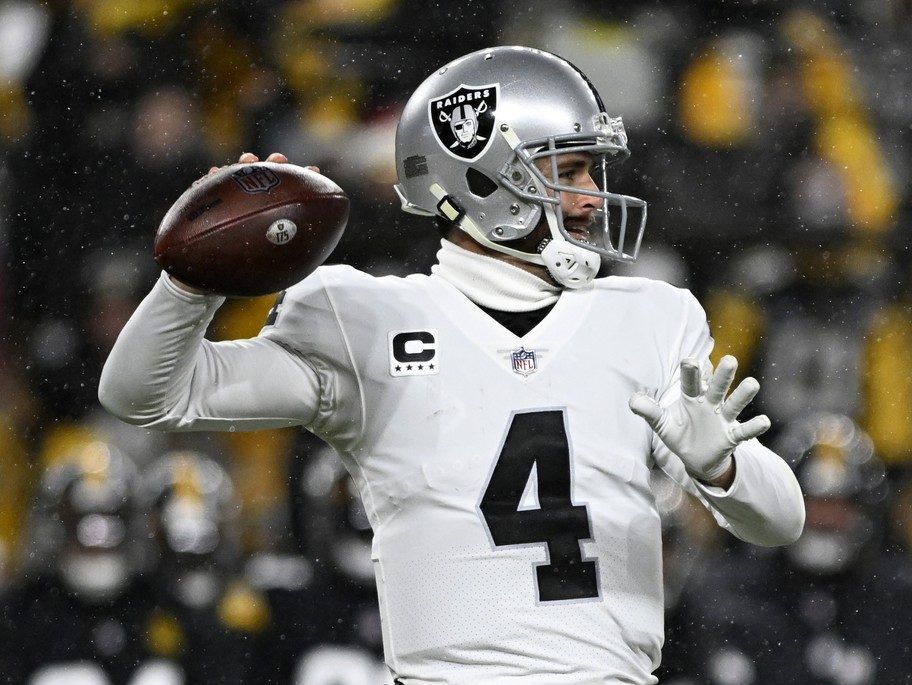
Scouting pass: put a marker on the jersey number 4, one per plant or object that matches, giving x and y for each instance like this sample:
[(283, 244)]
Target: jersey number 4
[(539, 439)]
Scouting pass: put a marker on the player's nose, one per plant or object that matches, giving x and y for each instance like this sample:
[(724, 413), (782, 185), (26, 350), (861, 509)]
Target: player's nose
[(585, 204), (588, 183)]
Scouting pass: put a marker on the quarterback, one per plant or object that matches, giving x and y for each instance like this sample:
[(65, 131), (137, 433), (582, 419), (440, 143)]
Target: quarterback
[(500, 416)]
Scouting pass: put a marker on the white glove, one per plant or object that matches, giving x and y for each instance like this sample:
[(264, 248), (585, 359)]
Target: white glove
[(700, 427)]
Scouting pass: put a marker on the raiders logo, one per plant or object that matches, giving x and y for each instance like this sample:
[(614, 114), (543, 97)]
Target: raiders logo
[(463, 120)]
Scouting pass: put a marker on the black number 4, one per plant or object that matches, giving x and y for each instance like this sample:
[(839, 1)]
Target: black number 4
[(539, 439)]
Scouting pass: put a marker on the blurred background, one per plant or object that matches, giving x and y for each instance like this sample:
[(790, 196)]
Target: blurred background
[(772, 142)]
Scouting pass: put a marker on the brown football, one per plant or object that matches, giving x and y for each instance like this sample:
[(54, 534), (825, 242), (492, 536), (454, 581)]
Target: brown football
[(251, 229)]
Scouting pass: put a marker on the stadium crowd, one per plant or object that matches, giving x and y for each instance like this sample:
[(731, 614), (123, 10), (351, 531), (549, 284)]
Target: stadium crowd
[(772, 143)]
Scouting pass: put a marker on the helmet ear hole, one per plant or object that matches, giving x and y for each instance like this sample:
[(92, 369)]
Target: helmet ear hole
[(479, 183)]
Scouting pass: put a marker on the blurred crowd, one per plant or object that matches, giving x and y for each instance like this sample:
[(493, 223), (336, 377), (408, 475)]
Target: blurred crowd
[(772, 142)]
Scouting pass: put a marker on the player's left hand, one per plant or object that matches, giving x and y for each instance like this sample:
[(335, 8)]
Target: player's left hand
[(701, 427)]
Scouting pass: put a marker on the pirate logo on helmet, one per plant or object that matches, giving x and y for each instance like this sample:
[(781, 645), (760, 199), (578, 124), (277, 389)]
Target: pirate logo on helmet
[(463, 120)]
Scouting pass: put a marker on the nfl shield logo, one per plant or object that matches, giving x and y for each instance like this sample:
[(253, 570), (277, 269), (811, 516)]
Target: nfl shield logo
[(523, 361), (463, 120), (255, 179)]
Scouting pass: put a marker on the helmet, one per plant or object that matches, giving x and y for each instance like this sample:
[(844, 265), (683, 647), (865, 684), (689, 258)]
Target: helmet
[(845, 489), (84, 521), (191, 503), (467, 144)]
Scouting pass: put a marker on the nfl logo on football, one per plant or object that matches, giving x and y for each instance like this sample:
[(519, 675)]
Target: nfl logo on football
[(255, 179), (523, 361)]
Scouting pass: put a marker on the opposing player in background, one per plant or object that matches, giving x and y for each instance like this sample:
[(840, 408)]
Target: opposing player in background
[(798, 615), (331, 624), (81, 611), (113, 597), (484, 411)]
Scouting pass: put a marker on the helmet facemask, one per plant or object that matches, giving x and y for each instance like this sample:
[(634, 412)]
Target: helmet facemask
[(608, 235)]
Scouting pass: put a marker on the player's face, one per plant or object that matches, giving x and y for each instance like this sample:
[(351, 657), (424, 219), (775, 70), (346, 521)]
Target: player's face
[(573, 169), (579, 210)]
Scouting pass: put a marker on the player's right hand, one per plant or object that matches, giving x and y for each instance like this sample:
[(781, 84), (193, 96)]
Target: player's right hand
[(250, 158), (245, 158)]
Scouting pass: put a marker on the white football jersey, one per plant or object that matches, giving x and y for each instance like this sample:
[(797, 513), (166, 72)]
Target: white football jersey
[(516, 539), (505, 478)]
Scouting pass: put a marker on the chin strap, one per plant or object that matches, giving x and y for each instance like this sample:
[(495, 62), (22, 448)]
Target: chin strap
[(570, 265), (449, 209)]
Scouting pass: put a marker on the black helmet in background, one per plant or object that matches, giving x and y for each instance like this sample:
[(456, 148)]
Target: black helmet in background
[(845, 489), (189, 505), (83, 527)]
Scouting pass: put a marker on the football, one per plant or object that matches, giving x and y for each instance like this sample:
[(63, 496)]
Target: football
[(251, 229)]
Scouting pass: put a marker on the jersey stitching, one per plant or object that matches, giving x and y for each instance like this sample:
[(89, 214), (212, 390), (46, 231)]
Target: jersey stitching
[(304, 360), (351, 359), (361, 431)]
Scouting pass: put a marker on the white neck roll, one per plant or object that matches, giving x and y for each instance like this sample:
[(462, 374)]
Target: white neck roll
[(491, 282)]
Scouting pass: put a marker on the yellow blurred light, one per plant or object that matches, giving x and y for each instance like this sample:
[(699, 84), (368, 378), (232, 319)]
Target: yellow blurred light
[(331, 115), (714, 104), (187, 487), (15, 115), (807, 32), (828, 85), (243, 609), (317, 13), (164, 635), (850, 143), (887, 414), (737, 326), (63, 441), (109, 17)]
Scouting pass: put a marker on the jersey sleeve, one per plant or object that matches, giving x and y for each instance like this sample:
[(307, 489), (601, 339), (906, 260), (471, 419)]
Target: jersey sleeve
[(764, 504), (162, 373), (306, 323)]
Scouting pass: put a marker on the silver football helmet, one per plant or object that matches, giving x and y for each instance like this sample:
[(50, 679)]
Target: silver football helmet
[(467, 145)]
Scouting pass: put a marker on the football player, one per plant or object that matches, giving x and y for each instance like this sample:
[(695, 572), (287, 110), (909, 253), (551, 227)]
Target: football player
[(206, 616), (826, 609), (499, 417), (331, 623), (79, 612)]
